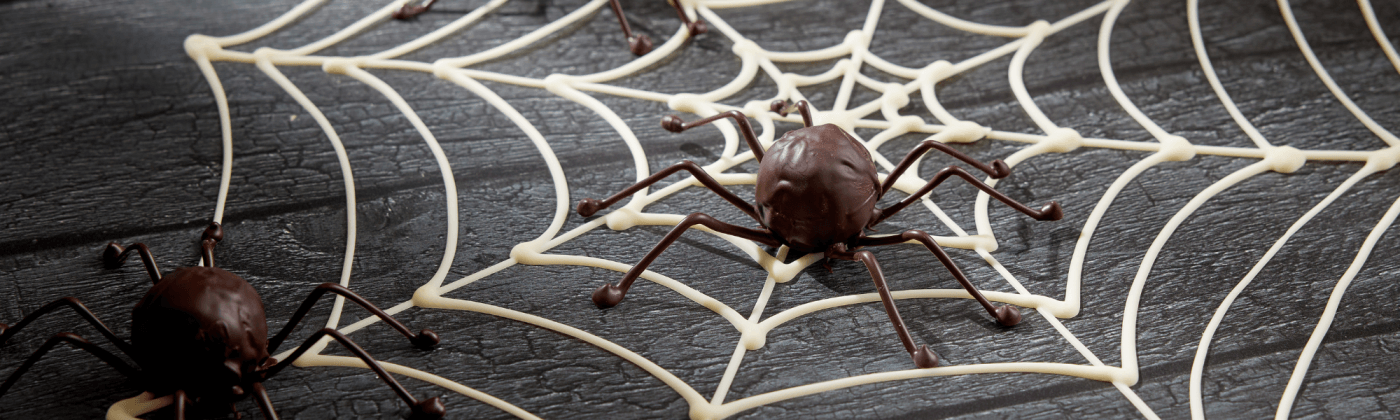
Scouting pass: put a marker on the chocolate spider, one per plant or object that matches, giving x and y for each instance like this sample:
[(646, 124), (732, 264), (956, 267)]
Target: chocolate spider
[(816, 192), (638, 44), (200, 333)]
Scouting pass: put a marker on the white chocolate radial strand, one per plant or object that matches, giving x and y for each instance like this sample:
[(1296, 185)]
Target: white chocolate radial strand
[(1384, 41), (851, 55), (1326, 78), (1203, 349), (345, 174), (1300, 371)]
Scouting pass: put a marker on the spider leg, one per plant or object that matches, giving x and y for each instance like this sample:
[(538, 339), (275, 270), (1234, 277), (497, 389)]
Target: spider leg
[(695, 27), (1006, 315), (609, 295), (639, 44), (76, 341), (923, 357), (114, 255), (430, 408), (425, 339), (264, 403), (588, 206), (997, 169), (1050, 211), (674, 124), (410, 10), (7, 331)]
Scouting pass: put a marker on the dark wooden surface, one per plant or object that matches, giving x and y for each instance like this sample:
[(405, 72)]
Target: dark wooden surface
[(109, 133)]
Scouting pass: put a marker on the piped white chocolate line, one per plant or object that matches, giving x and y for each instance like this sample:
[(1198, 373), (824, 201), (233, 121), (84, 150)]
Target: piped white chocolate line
[(1193, 21), (1174, 148), (355, 362), (1280, 159), (1287, 11), (855, 47), (1203, 349), (1305, 358), (346, 174)]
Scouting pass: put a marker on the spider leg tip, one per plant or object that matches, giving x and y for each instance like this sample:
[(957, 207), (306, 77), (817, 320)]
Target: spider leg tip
[(426, 339), (214, 231), (640, 45), (1051, 212), (608, 296), (1000, 169), (1008, 315), (924, 358), (112, 255), (587, 207), (672, 123), (431, 408)]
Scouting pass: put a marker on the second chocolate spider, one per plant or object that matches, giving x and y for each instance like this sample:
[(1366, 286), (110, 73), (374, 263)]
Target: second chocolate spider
[(200, 335), (817, 192)]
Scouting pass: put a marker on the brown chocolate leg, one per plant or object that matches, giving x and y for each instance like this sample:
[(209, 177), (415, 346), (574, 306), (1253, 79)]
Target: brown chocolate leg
[(782, 108), (114, 255), (76, 341), (588, 206), (639, 44), (997, 169), (674, 124), (923, 357), (425, 339), (264, 402), (431, 408), (1051, 211), (7, 331), (1006, 315), (609, 295), (411, 10), (696, 27)]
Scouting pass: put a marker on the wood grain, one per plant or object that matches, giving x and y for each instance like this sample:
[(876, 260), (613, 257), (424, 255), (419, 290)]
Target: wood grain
[(111, 134)]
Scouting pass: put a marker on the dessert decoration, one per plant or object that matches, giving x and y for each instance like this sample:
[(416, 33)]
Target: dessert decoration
[(1101, 343), (817, 193), (641, 44), (200, 334)]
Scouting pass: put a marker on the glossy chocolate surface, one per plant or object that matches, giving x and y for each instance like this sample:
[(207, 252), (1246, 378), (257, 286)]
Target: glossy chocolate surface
[(817, 186), (201, 329)]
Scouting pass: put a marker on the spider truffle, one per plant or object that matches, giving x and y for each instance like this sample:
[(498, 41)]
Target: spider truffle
[(817, 192), (200, 334)]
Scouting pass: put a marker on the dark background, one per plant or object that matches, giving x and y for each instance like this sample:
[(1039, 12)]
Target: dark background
[(110, 133)]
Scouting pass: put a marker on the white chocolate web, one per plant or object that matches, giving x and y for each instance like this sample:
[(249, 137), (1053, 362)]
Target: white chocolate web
[(881, 114)]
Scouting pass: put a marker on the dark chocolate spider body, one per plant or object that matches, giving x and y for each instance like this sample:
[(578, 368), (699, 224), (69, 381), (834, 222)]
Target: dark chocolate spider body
[(819, 188), (817, 192), (200, 334)]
